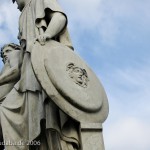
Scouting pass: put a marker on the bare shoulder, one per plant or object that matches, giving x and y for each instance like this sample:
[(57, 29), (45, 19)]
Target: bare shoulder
[(15, 59), (5, 67)]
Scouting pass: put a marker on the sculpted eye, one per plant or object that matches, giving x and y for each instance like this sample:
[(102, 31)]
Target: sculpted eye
[(8, 50), (77, 70)]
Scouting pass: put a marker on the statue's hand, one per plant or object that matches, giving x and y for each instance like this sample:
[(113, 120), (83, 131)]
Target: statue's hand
[(43, 38)]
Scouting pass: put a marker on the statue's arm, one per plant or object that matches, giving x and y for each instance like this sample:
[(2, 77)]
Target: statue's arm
[(57, 23), (13, 73)]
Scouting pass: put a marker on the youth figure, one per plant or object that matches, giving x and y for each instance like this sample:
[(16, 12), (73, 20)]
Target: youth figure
[(12, 58)]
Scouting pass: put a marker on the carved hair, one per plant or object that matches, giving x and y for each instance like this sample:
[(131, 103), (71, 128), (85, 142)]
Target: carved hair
[(72, 66), (14, 46)]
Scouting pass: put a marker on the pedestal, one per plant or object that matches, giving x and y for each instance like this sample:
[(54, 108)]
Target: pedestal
[(91, 136)]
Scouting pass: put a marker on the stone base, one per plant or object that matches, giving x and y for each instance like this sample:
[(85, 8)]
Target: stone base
[(91, 136)]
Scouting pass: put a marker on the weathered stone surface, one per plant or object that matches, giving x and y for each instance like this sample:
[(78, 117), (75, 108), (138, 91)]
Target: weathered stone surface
[(50, 98), (92, 139), (84, 104)]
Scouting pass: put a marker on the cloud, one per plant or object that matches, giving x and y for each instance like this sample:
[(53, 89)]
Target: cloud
[(85, 13), (128, 134), (103, 16), (129, 85), (8, 22), (127, 126), (107, 17)]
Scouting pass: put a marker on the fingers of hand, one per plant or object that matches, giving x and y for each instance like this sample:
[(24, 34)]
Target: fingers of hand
[(42, 39)]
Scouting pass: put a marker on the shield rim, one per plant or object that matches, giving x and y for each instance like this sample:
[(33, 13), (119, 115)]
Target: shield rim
[(77, 114)]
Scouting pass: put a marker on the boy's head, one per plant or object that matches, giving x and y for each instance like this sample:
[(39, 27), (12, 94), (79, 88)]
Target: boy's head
[(7, 49)]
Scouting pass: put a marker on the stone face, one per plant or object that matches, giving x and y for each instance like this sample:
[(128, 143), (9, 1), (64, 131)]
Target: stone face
[(49, 96)]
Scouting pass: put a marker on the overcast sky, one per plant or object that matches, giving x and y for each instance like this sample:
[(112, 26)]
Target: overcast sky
[(113, 37)]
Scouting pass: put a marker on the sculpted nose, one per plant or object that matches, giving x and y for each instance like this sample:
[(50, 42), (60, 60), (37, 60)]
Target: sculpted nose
[(5, 55)]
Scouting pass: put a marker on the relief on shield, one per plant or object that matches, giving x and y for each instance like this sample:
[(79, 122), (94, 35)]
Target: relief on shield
[(78, 75)]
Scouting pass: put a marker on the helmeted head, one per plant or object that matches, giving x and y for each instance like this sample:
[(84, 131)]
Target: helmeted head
[(7, 49)]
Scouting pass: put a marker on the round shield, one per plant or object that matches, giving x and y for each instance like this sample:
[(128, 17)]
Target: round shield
[(69, 82)]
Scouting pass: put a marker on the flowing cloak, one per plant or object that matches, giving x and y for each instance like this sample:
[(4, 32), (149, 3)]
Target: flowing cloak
[(27, 101)]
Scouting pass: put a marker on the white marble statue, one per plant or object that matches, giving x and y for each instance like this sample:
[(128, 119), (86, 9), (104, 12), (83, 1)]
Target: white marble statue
[(55, 102)]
